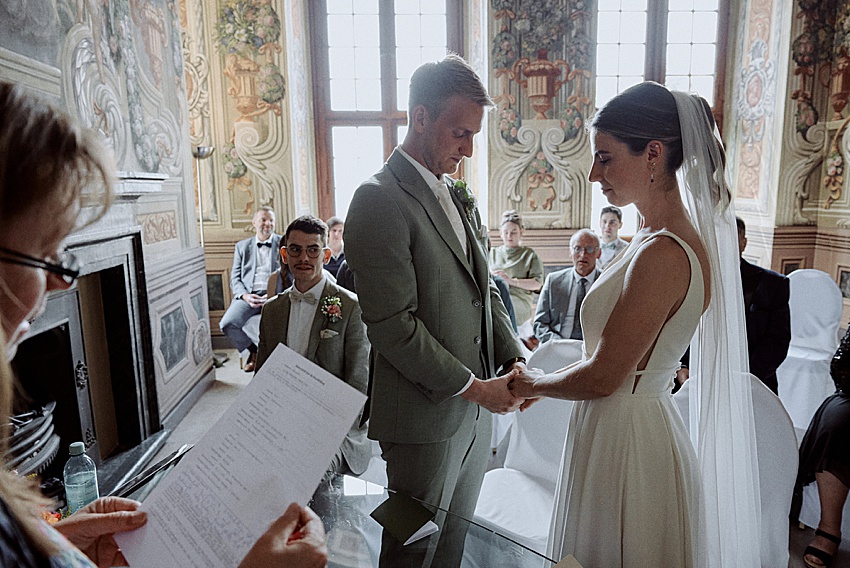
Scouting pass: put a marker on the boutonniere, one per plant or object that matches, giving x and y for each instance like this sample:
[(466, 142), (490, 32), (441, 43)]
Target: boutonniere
[(467, 198), (332, 308), (327, 334)]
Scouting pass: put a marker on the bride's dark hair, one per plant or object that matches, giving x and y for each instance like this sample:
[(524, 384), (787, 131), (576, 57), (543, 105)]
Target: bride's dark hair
[(644, 112)]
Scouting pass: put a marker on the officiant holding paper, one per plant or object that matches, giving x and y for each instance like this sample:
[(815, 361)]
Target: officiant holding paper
[(437, 325)]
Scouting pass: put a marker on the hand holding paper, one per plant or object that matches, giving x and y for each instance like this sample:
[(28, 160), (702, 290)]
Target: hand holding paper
[(295, 540)]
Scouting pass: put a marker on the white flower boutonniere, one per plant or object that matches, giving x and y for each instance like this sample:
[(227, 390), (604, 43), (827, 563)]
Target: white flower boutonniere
[(467, 198), (332, 308), (327, 334)]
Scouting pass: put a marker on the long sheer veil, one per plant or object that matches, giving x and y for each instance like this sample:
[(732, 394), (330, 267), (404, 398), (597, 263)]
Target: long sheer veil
[(721, 413)]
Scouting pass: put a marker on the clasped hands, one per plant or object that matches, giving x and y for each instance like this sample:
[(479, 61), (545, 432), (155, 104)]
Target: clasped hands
[(506, 393)]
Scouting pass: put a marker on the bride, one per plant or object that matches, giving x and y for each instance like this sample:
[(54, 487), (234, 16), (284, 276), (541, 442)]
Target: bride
[(634, 490)]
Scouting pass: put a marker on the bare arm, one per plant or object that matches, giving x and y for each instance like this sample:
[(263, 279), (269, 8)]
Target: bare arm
[(655, 286)]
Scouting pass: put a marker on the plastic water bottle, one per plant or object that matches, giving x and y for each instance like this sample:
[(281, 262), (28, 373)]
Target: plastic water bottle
[(80, 479)]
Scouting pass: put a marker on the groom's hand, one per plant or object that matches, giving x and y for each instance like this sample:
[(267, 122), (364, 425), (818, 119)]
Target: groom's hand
[(494, 394)]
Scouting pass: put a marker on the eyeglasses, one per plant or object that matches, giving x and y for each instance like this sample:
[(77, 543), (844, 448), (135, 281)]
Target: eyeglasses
[(313, 251), (67, 266), (589, 250)]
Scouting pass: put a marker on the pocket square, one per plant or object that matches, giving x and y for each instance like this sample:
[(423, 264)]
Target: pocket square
[(327, 334)]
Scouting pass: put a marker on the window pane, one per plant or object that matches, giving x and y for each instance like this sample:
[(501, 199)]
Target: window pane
[(367, 31), (401, 132), (702, 59), (341, 31), (680, 5), (407, 31), (607, 57), (432, 7), (402, 89), (609, 5), (628, 81), (634, 5), (365, 6), (608, 27), (341, 60), (678, 59), (434, 30), (632, 59), (367, 63), (407, 60), (340, 7), (633, 27), (710, 5), (406, 6), (680, 27), (705, 27), (606, 88), (704, 85), (368, 93), (342, 94), (357, 154), (678, 82)]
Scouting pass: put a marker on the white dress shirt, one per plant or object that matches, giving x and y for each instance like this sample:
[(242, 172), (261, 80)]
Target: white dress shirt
[(441, 192), (301, 316), (262, 268), (567, 326)]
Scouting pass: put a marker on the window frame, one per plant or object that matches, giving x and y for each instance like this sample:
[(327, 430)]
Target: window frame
[(388, 118)]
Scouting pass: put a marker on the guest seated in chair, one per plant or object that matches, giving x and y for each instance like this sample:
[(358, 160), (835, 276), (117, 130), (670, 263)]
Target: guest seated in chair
[(254, 260), (559, 308), (518, 266), (825, 458), (321, 321)]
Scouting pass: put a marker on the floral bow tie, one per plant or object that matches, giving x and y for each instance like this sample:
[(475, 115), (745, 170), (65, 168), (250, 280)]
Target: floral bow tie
[(305, 297)]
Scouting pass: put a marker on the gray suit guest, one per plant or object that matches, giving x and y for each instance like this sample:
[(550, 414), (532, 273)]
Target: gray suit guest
[(335, 341), (254, 261), (559, 307), (438, 329)]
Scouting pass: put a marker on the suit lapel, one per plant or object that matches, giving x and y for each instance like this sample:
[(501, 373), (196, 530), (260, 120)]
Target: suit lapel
[(318, 320), (285, 308), (250, 253), (412, 183)]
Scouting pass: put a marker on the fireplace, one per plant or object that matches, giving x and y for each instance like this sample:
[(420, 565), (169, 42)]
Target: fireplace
[(91, 353)]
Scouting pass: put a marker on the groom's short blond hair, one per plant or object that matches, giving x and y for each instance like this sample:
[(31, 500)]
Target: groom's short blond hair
[(433, 83)]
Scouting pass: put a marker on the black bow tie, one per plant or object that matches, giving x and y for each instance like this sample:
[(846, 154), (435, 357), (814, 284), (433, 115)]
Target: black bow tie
[(265, 244)]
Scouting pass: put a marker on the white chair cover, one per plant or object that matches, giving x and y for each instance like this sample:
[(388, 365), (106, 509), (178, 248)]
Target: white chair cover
[(776, 442), (803, 378), (516, 500)]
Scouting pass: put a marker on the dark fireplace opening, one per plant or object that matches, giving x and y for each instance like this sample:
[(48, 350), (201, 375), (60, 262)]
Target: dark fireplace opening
[(90, 353)]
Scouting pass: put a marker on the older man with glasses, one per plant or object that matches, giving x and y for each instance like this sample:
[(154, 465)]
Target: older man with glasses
[(558, 314)]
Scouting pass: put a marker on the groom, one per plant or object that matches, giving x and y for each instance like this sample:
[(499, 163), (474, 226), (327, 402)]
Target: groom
[(437, 326)]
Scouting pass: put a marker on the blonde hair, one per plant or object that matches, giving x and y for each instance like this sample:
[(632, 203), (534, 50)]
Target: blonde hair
[(46, 160), (511, 216)]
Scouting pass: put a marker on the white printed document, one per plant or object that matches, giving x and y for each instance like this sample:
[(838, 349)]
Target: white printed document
[(270, 448)]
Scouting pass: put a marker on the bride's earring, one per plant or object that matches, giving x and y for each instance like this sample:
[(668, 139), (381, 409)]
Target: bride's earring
[(652, 174)]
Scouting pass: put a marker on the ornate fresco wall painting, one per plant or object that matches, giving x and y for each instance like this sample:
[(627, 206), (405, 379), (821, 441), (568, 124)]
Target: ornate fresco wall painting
[(248, 39), (540, 81), (754, 104)]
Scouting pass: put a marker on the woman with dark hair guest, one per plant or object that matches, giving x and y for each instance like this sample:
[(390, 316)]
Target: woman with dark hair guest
[(825, 458), (335, 229), (51, 167), (518, 266)]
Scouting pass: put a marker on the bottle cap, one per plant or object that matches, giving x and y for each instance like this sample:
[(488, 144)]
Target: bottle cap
[(77, 448)]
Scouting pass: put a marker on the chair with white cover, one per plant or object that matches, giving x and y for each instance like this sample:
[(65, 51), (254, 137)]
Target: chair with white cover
[(516, 500), (804, 381), (776, 443)]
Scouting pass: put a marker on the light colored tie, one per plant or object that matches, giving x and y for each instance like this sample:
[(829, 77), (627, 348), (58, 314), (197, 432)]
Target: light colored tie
[(582, 290), (442, 193), (308, 297)]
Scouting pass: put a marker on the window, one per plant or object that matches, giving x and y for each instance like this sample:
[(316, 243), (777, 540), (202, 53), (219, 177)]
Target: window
[(678, 43), (364, 54)]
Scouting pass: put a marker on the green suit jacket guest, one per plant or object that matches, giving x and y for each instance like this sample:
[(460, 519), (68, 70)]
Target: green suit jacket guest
[(344, 354), (433, 314)]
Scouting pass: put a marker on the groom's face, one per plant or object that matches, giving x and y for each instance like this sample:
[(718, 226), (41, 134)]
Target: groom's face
[(447, 139)]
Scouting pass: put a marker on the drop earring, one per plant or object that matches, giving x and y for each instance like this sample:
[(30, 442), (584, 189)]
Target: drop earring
[(652, 174)]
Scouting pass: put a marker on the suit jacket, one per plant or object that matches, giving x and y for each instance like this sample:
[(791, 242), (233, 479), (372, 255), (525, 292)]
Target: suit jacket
[(242, 272), (766, 296), (345, 355), (432, 314), (554, 303)]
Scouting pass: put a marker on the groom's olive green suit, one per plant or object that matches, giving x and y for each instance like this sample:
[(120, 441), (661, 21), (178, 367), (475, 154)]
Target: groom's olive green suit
[(433, 315)]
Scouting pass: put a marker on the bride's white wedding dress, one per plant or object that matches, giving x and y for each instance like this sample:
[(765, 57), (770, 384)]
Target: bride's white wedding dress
[(628, 494)]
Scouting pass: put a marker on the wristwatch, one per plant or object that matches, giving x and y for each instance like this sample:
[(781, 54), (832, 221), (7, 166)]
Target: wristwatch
[(511, 361)]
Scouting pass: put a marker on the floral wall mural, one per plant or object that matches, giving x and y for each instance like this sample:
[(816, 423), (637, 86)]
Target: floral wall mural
[(540, 81)]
